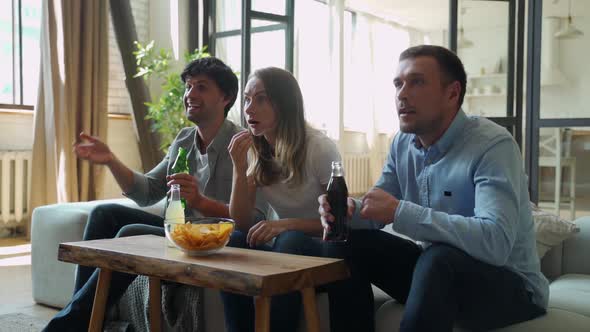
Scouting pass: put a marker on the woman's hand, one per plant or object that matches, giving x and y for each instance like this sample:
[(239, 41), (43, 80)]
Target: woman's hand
[(263, 232), (238, 150)]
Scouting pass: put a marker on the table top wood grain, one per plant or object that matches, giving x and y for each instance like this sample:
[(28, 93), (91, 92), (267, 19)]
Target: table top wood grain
[(243, 271)]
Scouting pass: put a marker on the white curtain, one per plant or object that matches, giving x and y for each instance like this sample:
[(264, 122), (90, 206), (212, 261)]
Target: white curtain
[(72, 98), (345, 67), (369, 98), (312, 65)]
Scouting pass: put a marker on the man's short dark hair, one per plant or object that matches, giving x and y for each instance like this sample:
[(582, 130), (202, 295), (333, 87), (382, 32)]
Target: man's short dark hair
[(450, 65), (217, 71)]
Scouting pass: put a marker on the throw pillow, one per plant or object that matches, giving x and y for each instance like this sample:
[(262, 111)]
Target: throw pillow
[(550, 230)]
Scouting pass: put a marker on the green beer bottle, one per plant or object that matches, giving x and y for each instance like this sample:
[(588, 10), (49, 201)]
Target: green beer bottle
[(181, 166)]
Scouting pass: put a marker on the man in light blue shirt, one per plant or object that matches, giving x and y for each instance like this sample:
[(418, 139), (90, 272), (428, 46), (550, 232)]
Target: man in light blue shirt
[(456, 184)]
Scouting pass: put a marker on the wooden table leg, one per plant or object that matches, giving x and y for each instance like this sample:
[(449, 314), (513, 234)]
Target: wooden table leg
[(310, 308), (262, 307), (155, 305), (100, 300)]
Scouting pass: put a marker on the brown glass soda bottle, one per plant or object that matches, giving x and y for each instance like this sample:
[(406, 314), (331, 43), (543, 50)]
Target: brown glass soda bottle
[(337, 198)]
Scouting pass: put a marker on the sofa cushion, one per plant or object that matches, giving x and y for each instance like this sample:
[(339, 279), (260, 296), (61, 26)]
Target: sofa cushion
[(380, 297), (576, 249), (571, 292), (550, 229), (554, 320), (389, 316)]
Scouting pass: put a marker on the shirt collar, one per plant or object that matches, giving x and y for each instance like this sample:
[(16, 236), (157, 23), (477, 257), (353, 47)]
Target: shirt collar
[(221, 139), (450, 135), (448, 138)]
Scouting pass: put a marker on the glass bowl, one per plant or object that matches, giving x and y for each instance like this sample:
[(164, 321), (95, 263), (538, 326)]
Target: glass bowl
[(200, 236)]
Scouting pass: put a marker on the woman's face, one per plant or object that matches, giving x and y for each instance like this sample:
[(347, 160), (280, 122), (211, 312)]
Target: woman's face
[(260, 114)]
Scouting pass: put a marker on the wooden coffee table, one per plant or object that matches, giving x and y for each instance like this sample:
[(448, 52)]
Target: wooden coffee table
[(249, 272)]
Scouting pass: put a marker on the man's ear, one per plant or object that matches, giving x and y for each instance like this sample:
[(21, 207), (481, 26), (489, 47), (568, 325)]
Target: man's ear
[(226, 100), (454, 90)]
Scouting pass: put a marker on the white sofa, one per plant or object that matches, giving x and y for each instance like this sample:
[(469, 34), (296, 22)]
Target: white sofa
[(53, 281)]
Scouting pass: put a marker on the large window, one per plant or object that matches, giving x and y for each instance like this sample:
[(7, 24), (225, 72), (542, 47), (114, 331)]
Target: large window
[(558, 127), (20, 31), (262, 39), (370, 64), (346, 56), (312, 63)]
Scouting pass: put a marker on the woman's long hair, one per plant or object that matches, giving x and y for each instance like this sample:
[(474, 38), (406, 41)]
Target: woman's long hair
[(286, 162)]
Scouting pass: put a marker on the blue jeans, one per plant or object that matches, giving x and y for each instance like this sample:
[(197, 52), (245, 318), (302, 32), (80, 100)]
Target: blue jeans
[(105, 221), (285, 309), (439, 286)]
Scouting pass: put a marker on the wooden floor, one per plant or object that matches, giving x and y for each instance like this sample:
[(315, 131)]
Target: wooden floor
[(15, 278)]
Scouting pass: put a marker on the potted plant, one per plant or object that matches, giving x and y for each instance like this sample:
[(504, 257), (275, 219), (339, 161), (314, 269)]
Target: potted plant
[(167, 111)]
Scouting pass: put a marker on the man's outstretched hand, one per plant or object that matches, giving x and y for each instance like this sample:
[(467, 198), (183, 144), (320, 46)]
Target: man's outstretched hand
[(92, 149)]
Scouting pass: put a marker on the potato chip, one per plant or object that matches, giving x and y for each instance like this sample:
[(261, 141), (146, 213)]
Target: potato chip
[(196, 237)]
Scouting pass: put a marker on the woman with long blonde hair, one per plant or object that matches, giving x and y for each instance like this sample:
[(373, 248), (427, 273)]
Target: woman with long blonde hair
[(289, 166)]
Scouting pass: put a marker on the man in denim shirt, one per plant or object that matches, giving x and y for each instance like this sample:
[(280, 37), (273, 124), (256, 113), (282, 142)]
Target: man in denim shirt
[(455, 184)]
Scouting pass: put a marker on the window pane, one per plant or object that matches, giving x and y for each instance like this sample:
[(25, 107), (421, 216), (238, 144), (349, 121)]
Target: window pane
[(369, 95), (262, 23), (228, 15), (269, 6), (6, 86), (565, 149), (31, 27), (565, 74), (380, 32), (483, 48), (229, 50), (261, 54), (312, 65)]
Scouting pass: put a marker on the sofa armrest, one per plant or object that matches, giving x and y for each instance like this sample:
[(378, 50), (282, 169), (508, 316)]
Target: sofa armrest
[(576, 250), (52, 280)]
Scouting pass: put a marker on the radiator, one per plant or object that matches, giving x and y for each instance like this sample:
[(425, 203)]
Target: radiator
[(357, 173), (360, 174), (15, 181)]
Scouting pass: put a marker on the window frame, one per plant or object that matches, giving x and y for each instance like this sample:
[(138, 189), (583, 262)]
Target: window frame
[(17, 61)]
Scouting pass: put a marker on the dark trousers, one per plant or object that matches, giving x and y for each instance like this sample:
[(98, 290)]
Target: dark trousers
[(439, 286), (105, 221), (285, 309)]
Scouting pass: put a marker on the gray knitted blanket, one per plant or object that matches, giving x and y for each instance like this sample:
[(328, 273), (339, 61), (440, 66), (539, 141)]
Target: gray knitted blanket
[(181, 308)]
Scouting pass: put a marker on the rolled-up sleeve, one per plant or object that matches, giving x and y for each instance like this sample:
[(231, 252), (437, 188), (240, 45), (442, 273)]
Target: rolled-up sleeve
[(150, 188)]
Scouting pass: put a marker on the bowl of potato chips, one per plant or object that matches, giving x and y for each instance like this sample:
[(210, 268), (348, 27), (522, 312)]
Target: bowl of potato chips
[(200, 236)]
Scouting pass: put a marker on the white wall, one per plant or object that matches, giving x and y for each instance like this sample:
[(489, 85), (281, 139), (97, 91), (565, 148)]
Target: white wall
[(16, 133), (123, 142), (169, 29)]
